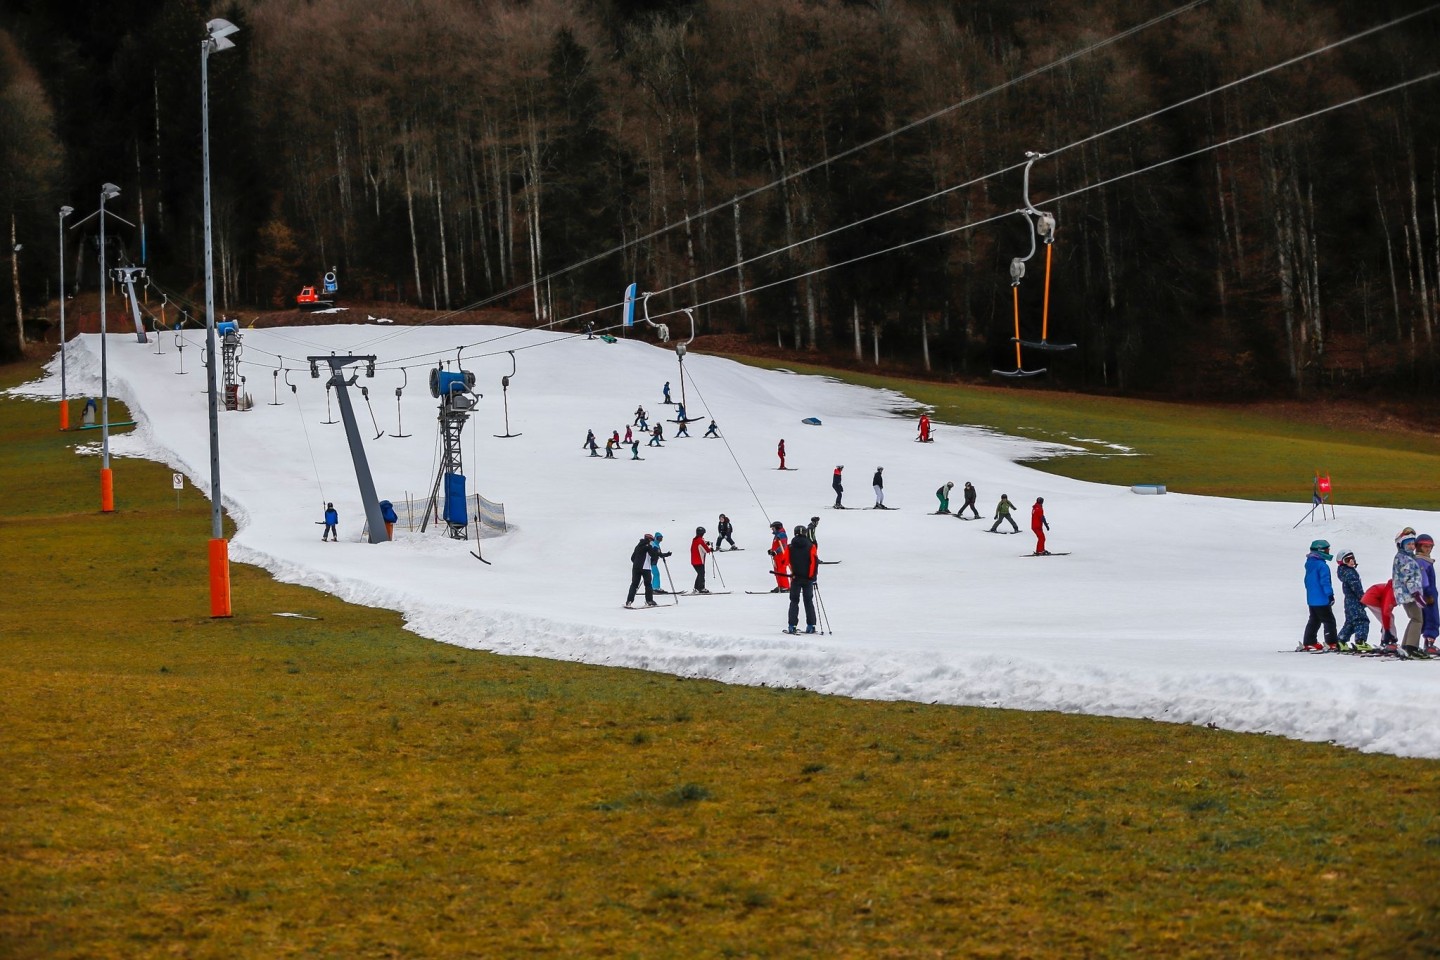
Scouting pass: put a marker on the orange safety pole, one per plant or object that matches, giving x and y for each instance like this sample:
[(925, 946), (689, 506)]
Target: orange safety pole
[(64, 415), (107, 491), (1015, 287), (1045, 312), (220, 577)]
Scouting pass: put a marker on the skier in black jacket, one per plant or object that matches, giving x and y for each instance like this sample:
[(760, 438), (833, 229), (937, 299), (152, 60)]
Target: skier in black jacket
[(726, 533), (969, 501), (640, 569), (802, 579)]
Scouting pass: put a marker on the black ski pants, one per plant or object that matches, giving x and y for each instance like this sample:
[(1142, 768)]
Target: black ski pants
[(806, 590), (699, 576), (839, 490), (1005, 519), (969, 505), (1322, 616), (636, 575)]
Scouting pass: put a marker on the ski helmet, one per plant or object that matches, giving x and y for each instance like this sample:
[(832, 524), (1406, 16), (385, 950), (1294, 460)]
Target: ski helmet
[(699, 531), (1320, 547), (659, 535), (777, 525), (1342, 555), (648, 536), (1039, 499), (1424, 538), (1405, 536)]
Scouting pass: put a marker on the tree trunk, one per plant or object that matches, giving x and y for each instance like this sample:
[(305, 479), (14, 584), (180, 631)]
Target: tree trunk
[(410, 212), (855, 325), (15, 283), (875, 340), (1390, 258), (444, 256), (740, 269), (925, 340)]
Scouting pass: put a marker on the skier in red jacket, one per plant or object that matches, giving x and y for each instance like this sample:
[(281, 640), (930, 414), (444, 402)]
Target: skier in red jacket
[(699, 547), (1038, 524), (781, 451)]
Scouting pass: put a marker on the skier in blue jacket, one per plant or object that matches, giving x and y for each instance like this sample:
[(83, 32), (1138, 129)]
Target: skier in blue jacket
[(1320, 596), (331, 519), (1356, 629)]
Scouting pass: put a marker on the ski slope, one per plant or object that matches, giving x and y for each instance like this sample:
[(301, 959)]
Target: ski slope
[(1170, 607)]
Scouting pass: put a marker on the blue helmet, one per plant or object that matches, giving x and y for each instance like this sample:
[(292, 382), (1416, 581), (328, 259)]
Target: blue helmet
[(659, 535)]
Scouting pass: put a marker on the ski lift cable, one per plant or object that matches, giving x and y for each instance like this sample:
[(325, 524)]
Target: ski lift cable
[(728, 449), (967, 101), (1325, 48), (300, 412)]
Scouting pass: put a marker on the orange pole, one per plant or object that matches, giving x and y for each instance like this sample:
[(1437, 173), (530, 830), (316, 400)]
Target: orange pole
[(1016, 288), (64, 415), (220, 577), (107, 491), (1045, 311)]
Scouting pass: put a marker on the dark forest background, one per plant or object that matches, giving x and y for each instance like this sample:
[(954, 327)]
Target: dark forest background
[(542, 155)]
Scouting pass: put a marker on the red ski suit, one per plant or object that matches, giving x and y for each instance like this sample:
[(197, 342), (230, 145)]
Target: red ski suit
[(1038, 524), (780, 550)]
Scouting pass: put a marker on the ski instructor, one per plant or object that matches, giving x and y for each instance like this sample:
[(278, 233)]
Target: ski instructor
[(803, 566)]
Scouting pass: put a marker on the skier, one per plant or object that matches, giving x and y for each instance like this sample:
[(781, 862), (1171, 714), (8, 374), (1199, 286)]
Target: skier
[(666, 389), (1002, 512), (590, 443), (839, 488), (1379, 599), (640, 560), (640, 417), (803, 564), (655, 557), (969, 501), (725, 534), (1038, 525), (781, 452), (943, 494), (656, 436), (810, 531), (1320, 595), (680, 412), (683, 431), (635, 450), (699, 547), (387, 513), (610, 444), (779, 551), (1409, 588), (712, 430), (878, 482), (331, 519), (1430, 622), (1356, 630), (628, 434), (924, 428)]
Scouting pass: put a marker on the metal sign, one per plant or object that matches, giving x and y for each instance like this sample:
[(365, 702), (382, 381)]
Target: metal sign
[(177, 480)]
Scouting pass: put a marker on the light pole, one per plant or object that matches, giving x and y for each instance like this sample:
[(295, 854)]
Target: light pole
[(64, 405), (108, 191), (216, 33)]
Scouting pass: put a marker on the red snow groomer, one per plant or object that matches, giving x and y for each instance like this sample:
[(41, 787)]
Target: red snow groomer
[(318, 297)]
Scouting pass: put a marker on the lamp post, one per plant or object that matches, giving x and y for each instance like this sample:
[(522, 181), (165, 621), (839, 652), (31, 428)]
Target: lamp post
[(64, 405), (108, 191), (216, 33)]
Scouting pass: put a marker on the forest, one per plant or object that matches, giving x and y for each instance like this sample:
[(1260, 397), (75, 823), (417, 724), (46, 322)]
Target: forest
[(1245, 193)]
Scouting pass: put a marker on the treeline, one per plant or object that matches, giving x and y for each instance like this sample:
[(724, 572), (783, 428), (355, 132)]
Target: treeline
[(818, 175)]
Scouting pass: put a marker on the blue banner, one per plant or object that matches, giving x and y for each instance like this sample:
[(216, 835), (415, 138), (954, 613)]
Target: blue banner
[(630, 305)]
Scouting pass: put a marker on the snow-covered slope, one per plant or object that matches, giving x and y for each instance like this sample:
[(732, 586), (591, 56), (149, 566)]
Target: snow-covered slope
[(1172, 607)]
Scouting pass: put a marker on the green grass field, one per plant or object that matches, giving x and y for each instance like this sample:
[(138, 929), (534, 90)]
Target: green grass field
[(265, 786), (1215, 451)]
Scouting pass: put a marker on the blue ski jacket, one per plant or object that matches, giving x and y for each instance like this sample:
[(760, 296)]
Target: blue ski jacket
[(1406, 575), (1319, 589)]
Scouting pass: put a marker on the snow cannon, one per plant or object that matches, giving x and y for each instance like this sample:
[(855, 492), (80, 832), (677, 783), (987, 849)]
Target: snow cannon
[(453, 388), (228, 328)]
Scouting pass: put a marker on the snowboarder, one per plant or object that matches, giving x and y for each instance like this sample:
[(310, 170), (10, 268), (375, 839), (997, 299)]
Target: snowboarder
[(839, 487), (780, 554), (1409, 584), (640, 562), (725, 534), (656, 436), (878, 482), (699, 547), (924, 428), (1356, 630), (781, 452), (640, 418), (666, 390), (1002, 512), (712, 430), (969, 501), (1038, 526), (591, 444), (943, 495), (387, 513), (1319, 595), (802, 580), (1430, 622), (331, 519)]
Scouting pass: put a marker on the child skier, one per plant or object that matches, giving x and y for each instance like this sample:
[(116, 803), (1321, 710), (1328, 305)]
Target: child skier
[(781, 452), (1430, 620), (699, 547), (943, 494), (712, 430), (1038, 525), (1356, 630), (610, 444), (1409, 585), (878, 482), (1319, 596), (780, 554), (628, 434), (655, 557), (331, 519), (640, 418), (1379, 599), (683, 431), (725, 534), (590, 443), (656, 435), (969, 504), (387, 513), (1002, 512), (666, 390), (635, 450), (839, 488)]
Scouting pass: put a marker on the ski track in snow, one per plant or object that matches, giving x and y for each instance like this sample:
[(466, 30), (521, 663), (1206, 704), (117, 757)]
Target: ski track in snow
[(1173, 608)]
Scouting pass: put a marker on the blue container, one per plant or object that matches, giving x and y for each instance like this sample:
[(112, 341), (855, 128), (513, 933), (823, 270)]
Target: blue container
[(455, 514)]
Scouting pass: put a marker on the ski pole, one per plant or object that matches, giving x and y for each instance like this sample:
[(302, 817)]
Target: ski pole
[(673, 592), (820, 601), (716, 560)]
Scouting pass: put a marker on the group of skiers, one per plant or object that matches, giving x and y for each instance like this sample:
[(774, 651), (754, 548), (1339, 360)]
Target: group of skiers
[(656, 434), (1412, 587)]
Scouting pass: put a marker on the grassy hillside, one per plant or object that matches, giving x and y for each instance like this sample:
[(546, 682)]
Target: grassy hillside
[(1215, 451), (273, 786)]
